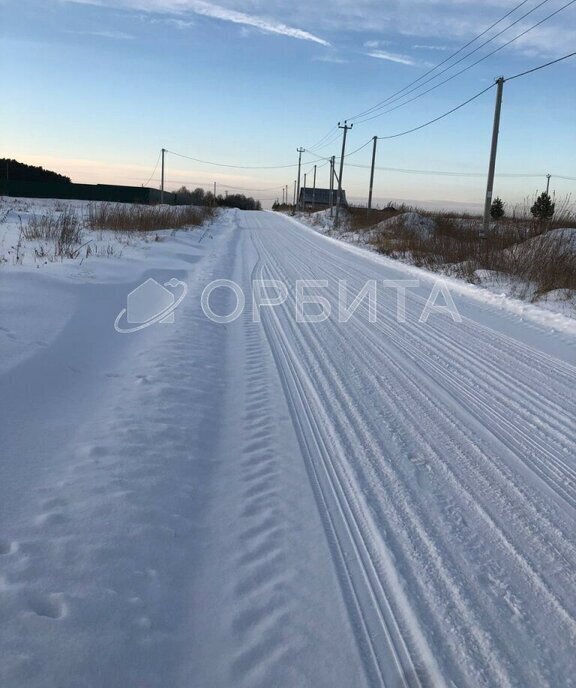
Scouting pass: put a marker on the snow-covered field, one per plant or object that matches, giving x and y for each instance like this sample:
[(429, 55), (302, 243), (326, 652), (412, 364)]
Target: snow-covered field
[(269, 502)]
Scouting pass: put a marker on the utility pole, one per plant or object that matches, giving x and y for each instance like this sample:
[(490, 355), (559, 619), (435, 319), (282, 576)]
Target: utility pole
[(548, 183), (300, 151), (294, 202), (345, 127), (375, 140), (314, 190), (214, 191), (162, 181), (331, 185), (304, 193), (492, 165)]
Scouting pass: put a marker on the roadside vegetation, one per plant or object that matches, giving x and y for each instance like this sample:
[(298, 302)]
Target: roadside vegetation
[(69, 230), (124, 217), (529, 251)]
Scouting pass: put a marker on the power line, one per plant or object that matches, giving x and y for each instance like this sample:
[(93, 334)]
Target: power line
[(359, 148), (448, 173), (436, 119), (326, 136), (435, 67), (535, 69), (240, 167), (465, 69), (449, 112), (329, 142), (155, 168)]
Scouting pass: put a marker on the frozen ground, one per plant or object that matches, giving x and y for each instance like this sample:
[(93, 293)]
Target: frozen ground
[(275, 503)]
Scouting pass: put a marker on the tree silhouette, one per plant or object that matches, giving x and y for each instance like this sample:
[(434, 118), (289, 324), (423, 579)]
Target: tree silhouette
[(543, 208), (497, 208)]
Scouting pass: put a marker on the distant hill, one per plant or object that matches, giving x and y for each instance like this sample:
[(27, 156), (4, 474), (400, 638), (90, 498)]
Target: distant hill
[(19, 172)]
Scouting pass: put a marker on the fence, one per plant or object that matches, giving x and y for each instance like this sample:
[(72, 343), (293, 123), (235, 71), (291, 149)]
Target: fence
[(86, 192)]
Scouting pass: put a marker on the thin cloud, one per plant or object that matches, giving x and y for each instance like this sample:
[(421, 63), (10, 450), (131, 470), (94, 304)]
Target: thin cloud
[(431, 47), (332, 59), (267, 25), (115, 35), (392, 57), (207, 9)]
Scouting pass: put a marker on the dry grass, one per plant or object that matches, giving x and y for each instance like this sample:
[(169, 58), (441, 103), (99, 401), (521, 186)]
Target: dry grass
[(524, 250), (122, 217), (63, 229), (360, 219)]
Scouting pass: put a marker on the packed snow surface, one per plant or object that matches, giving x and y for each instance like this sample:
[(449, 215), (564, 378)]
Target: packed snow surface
[(267, 502)]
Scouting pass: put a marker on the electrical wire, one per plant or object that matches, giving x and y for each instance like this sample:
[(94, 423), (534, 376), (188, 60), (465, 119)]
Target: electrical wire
[(239, 167), (436, 119), (347, 155), (535, 69), (447, 173), (155, 168), (465, 69), (435, 67), (321, 141)]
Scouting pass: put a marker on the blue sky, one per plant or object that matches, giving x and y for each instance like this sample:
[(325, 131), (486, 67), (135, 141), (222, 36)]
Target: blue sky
[(95, 88)]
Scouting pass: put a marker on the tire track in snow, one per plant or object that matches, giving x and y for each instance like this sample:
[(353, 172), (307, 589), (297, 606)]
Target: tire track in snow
[(386, 653), (304, 270), (481, 381)]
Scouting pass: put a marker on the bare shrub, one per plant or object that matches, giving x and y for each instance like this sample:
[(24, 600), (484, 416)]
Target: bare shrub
[(64, 229), (543, 260)]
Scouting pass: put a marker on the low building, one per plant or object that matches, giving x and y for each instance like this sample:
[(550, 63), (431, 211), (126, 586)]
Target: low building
[(320, 198)]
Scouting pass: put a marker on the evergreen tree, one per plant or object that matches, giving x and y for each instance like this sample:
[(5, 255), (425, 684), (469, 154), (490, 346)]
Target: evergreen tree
[(497, 208), (543, 208)]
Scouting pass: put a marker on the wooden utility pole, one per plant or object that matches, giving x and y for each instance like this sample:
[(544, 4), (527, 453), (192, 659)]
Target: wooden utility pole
[(162, 179), (304, 194), (492, 165), (375, 140), (345, 127)]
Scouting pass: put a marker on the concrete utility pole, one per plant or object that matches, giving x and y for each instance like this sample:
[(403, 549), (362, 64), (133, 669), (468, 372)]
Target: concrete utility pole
[(300, 151), (304, 193), (375, 140), (214, 191), (345, 127), (162, 180), (492, 165), (548, 183), (314, 190), (294, 202)]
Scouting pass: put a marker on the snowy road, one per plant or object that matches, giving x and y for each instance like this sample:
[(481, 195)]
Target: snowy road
[(277, 503)]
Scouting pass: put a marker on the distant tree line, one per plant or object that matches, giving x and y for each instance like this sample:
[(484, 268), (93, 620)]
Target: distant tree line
[(14, 171), (201, 197)]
